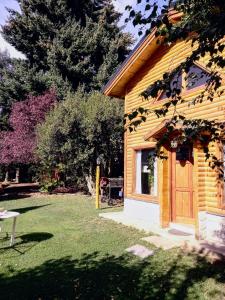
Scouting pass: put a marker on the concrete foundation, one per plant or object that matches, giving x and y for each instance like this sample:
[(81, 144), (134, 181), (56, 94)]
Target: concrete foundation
[(146, 211), (212, 227)]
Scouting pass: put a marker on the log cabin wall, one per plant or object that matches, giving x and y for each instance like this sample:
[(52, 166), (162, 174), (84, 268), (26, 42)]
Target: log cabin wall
[(207, 195)]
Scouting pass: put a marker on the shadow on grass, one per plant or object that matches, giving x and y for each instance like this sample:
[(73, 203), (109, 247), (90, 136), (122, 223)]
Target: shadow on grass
[(110, 277), (14, 196), (23, 210), (24, 242)]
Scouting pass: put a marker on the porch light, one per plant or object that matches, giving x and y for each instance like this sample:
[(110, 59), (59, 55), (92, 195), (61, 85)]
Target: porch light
[(174, 144)]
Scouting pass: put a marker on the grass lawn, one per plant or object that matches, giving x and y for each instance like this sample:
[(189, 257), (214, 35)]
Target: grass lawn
[(65, 251)]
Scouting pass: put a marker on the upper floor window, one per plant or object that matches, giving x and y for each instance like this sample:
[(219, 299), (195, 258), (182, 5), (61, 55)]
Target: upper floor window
[(195, 77), (176, 83), (223, 179)]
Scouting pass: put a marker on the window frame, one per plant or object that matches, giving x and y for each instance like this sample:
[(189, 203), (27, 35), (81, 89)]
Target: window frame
[(184, 90), (143, 197), (221, 185)]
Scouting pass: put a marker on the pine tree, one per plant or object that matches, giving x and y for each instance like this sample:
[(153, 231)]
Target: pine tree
[(78, 42), (32, 30)]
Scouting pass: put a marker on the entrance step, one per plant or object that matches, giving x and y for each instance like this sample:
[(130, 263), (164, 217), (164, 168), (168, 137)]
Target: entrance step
[(163, 242), (185, 229)]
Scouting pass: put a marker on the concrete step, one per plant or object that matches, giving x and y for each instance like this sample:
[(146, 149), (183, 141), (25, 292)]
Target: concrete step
[(163, 242), (189, 229)]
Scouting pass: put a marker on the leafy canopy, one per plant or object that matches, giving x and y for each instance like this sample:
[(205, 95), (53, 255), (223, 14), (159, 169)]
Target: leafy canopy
[(80, 129), (79, 41)]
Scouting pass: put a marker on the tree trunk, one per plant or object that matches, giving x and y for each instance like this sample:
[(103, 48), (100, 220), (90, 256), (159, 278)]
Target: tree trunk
[(90, 184), (6, 176), (17, 180)]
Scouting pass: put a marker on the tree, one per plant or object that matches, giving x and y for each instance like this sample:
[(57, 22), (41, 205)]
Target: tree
[(202, 22), (79, 130), (18, 80), (32, 30), (89, 55), (67, 44), (17, 145), (82, 45)]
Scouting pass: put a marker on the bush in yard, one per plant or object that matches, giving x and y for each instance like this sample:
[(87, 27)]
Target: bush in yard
[(79, 130)]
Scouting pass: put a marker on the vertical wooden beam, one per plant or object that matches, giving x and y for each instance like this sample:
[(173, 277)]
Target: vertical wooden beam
[(195, 188), (164, 189)]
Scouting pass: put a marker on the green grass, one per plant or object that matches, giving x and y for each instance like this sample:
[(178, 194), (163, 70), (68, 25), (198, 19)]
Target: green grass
[(64, 250)]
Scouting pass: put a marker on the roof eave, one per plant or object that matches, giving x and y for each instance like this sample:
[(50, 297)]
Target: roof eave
[(116, 87)]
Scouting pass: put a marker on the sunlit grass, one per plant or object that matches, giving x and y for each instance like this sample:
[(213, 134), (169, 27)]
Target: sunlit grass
[(64, 250)]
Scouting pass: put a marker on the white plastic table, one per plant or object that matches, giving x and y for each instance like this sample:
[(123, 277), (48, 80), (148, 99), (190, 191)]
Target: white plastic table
[(14, 215)]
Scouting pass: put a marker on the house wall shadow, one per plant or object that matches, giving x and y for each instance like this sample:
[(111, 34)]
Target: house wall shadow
[(111, 277)]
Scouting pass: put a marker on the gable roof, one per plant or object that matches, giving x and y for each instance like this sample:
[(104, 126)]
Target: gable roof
[(116, 86), (157, 132)]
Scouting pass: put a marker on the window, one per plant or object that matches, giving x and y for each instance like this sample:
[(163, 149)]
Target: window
[(146, 172), (175, 84), (184, 153), (223, 182), (196, 77)]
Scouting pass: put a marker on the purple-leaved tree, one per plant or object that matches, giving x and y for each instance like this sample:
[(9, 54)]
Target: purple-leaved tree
[(18, 145)]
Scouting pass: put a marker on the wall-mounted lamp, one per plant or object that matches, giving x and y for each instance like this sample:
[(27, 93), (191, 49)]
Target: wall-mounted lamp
[(174, 144)]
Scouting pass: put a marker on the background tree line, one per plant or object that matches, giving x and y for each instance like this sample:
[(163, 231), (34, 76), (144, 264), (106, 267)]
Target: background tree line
[(71, 50)]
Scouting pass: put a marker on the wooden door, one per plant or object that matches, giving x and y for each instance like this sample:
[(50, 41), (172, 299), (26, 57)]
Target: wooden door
[(182, 210)]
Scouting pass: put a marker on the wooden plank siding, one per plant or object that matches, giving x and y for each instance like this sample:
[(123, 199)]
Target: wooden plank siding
[(206, 193)]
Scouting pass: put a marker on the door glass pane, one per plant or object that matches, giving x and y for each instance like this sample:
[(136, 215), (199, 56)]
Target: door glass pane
[(183, 153)]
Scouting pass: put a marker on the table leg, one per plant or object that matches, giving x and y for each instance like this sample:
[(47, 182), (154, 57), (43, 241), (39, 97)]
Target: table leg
[(13, 232)]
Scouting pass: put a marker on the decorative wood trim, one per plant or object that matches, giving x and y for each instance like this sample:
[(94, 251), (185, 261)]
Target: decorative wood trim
[(136, 55), (130, 61), (155, 131), (143, 197), (220, 183), (144, 146)]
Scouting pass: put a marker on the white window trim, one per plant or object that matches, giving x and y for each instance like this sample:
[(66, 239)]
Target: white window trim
[(138, 172)]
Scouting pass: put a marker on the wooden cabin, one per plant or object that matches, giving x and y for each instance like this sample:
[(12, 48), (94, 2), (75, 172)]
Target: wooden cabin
[(184, 191)]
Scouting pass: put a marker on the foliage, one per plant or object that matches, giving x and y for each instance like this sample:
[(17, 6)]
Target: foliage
[(79, 130), (202, 23), (66, 44), (89, 55), (64, 190), (79, 41), (17, 145), (32, 30), (18, 80), (48, 185)]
